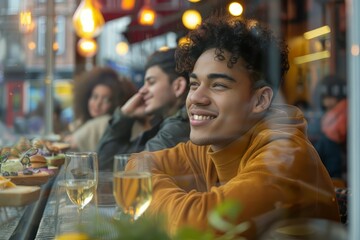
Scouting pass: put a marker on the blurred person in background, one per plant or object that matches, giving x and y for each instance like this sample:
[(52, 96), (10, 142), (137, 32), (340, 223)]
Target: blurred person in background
[(331, 144), (158, 107), (97, 93)]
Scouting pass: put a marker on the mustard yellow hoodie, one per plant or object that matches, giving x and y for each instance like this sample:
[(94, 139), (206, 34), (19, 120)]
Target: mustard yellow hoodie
[(271, 167)]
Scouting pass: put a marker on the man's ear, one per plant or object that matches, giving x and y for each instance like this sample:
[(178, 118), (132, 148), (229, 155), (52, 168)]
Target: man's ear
[(179, 86), (263, 98)]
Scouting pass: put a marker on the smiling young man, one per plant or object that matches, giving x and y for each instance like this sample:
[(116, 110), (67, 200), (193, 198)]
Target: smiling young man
[(243, 147), (154, 118)]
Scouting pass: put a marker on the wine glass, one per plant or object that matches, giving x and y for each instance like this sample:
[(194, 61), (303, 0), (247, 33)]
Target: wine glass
[(120, 161), (81, 177), (132, 190)]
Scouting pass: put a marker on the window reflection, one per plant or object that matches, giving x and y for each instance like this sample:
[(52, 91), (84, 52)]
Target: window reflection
[(22, 60)]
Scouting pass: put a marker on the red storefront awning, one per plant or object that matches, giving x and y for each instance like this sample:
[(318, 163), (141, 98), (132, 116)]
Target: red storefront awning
[(168, 17), (169, 13)]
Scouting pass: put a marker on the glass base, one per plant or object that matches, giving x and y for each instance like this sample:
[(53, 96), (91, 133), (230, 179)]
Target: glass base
[(118, 214)]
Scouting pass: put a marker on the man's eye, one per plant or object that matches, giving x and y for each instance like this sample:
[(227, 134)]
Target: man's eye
[(219, 86), (193, 85), (151, 81)]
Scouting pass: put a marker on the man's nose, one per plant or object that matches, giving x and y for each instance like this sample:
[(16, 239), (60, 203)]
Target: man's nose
[(199, 96), (143, 90)]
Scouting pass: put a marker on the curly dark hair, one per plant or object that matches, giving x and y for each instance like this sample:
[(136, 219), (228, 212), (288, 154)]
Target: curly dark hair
[(122, 89), (245, 40)]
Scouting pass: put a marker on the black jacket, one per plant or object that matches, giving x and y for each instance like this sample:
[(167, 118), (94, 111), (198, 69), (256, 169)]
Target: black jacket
[(164, 134)]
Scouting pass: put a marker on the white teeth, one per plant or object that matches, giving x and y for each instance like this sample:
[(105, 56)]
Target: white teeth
[(201, 117)]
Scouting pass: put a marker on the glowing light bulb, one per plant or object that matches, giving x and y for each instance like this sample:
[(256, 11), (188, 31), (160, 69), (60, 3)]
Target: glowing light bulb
[(31, 45), (87, 47), (122, 48), (147, 16), (127, 5), (87, 20), (191, 18), (55, 46), (26, 23), (236, 9)]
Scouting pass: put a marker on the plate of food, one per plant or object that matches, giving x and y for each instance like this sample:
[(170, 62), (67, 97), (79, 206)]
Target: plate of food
[(36, 174), (31, 162), (12, 195), (30, 177)]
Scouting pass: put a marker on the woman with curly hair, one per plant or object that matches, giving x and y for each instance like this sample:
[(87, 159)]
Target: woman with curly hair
[(97, 93)]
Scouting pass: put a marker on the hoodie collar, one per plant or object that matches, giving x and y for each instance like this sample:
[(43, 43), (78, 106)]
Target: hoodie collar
[(280, 117)]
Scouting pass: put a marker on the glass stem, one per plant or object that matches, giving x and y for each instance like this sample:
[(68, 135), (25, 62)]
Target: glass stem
[(79, 215)]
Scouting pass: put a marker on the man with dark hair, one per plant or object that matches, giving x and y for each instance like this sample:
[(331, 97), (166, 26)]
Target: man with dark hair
[(243, 147), (154, 118)]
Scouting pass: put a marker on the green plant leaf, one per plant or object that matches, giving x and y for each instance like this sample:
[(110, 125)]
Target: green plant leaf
[(222, 218), (104, 227), (189, 233), (229, 209), (224, 215), (217, 222)]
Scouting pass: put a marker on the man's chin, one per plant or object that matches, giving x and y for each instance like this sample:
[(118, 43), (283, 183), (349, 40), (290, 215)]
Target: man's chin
[(148, 110), (154, 111), (201, 141)]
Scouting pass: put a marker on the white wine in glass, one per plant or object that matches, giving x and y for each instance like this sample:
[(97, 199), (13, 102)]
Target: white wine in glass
[(80, 192), (132, 192), (81, 177), (120, 161)]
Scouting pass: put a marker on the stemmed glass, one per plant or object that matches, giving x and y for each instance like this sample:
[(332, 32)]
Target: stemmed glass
[(132, 190), (81, 177), (120, 161)]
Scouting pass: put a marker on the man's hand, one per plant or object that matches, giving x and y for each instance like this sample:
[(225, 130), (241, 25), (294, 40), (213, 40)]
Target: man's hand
[(134, 107)]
